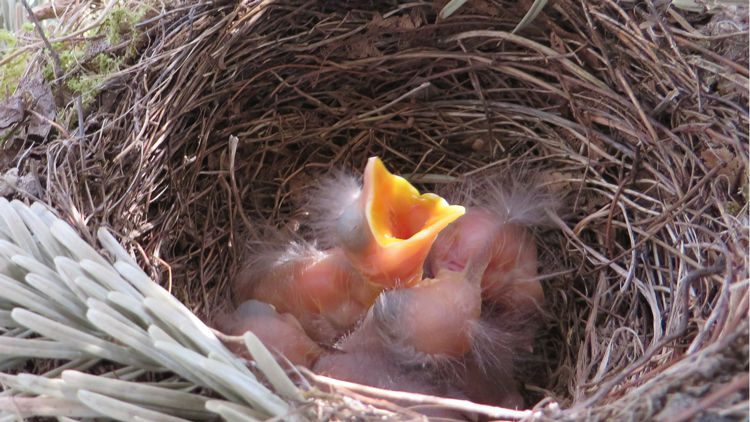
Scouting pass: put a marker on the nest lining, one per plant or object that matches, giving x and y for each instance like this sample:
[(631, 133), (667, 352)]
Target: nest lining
[(636, 116)]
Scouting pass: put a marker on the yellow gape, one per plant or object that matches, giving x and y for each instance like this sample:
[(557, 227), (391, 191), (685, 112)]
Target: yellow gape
[(402, 225)]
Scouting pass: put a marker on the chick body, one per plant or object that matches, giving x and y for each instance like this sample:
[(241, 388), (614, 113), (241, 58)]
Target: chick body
[(434, 319), (364, 358), (383, 237), (510, 277), (281, 333), (321, 289)]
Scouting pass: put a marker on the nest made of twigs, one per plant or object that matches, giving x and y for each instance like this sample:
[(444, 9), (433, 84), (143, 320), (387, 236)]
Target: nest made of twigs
[(635, 114)]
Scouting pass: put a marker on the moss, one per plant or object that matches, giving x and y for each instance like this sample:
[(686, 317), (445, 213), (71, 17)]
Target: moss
[(81, 78), (11, 75), (70, 58), (87, 86), (8, 39), (106, 64), (121, 21), (13, 69)]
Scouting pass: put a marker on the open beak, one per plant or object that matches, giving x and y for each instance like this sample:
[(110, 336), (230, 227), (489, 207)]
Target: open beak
[(403, 225)]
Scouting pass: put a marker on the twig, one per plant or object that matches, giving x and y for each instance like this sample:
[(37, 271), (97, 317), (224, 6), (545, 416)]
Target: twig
[(57, 64), (738, 383), (682, 296), (461, 405), (79, 110), (233, 179)]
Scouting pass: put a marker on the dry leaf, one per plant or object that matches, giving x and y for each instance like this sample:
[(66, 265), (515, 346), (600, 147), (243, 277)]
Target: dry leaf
[(362, 47), (11, 112), (38, 97), (719, 156)]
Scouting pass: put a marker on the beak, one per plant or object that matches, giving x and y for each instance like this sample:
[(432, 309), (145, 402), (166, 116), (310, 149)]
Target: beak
[(403, 225)]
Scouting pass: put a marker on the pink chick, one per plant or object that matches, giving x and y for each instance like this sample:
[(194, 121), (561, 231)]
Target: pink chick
[(501, 214), (379, 235), (364, 358), (424, 339), (281, 333), (386, 228), (320, 289), (435, 319)]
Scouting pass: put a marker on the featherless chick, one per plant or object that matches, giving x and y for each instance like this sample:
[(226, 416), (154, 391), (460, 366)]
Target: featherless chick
[(501, 214), (379, 235), (386, 228), (321, 289), (409, 293), (281, 333)]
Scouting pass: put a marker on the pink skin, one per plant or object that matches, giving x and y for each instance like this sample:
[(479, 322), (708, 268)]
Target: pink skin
[(434, 318), (321, 290), (509, 286), (365, 358), (434, 324), (496, 387), (510, 279), (281, 333)]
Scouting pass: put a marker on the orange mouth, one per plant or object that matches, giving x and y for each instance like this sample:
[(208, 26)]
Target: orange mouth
[(403, 223)]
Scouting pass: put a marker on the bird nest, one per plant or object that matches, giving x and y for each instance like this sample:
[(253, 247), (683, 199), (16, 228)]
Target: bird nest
[(217, 117)]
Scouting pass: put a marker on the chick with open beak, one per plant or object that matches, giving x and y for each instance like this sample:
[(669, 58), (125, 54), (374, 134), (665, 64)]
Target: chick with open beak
[(382, 233), (366, 293), (388, 228)]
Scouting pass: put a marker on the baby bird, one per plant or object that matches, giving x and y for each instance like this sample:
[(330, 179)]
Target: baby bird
[(455, 333), (500, 217), (430, 339), (365, 358), (379, 233), (438, 317), (321, 289), (281, 333), (501, 214), (386, 228), (511, 275)]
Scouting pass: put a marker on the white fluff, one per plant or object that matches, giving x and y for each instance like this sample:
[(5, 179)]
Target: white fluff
[(326, 202), (514, 198)]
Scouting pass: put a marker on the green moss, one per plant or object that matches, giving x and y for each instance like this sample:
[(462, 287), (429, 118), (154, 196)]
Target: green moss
[(121, 21), (106, 64), (48, 73), (70, 58), (11, 74), (87, 86), (83, 74), (8, 39)]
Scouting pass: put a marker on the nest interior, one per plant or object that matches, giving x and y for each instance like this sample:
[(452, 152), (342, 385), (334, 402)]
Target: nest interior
[(636, 115)]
